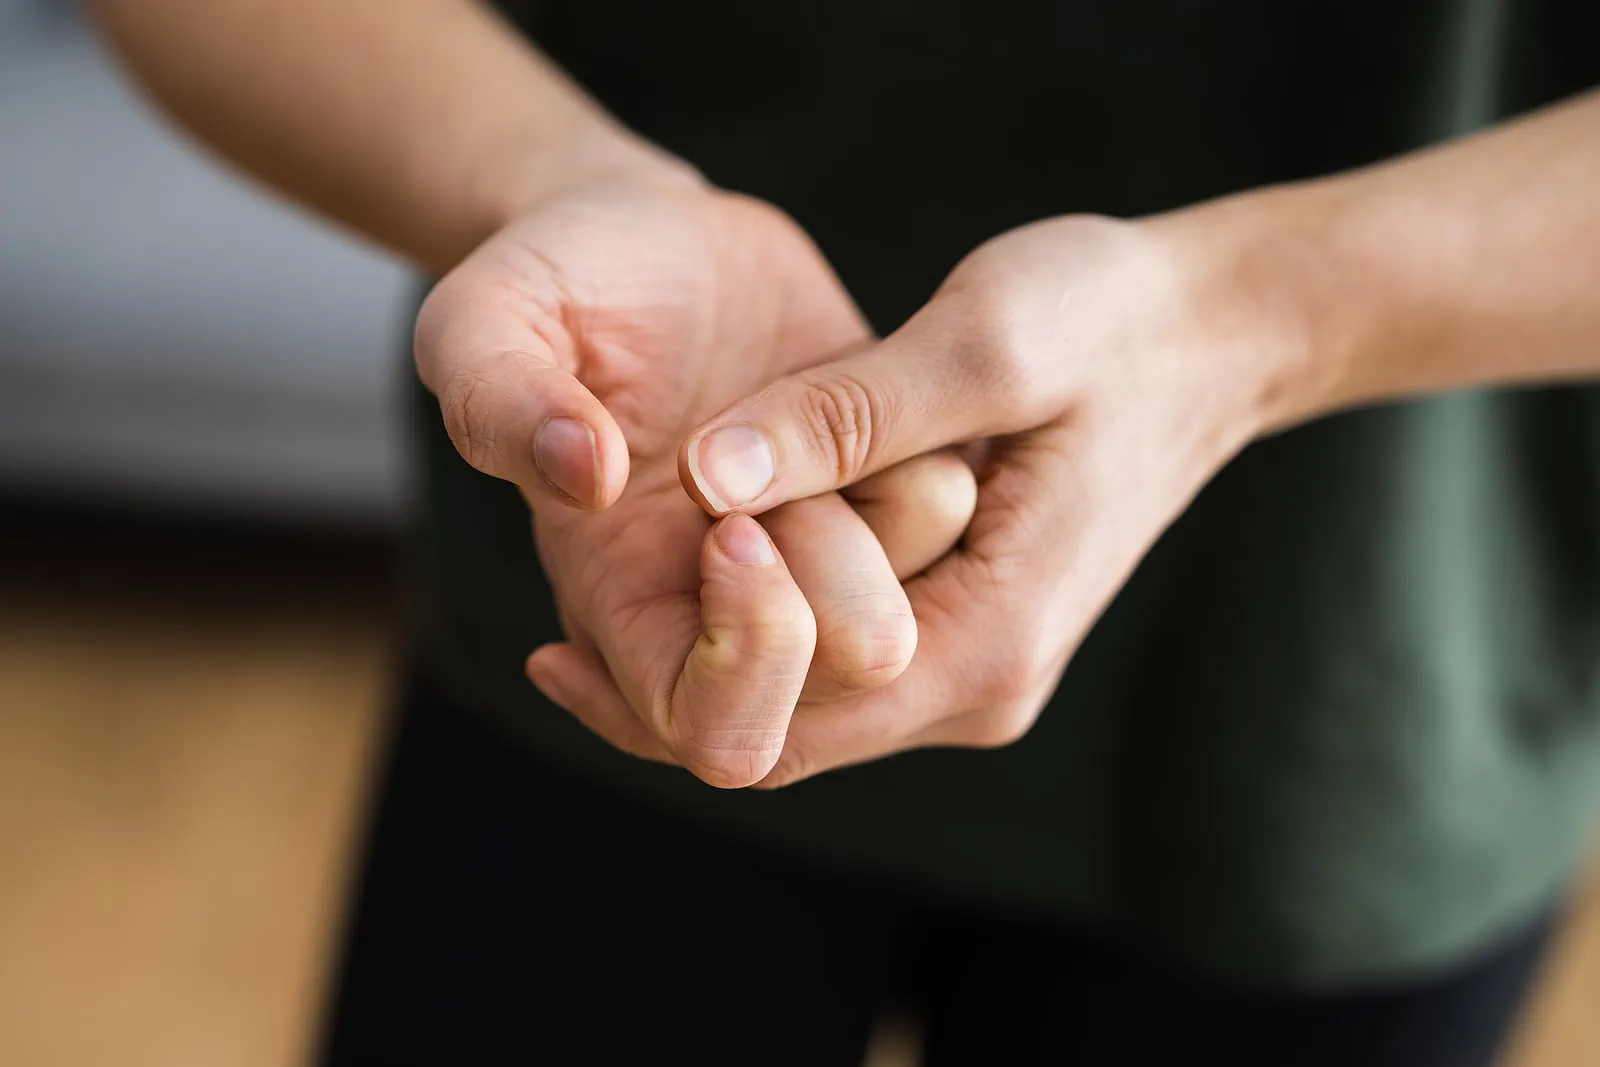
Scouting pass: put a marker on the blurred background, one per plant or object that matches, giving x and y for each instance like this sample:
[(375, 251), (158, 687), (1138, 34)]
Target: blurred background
[(201, 479)]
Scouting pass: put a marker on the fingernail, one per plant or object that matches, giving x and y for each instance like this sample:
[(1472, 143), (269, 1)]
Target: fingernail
[(567, 456), (743, 539), (732, 466)]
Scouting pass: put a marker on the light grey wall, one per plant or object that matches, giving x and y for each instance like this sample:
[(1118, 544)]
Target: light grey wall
[(167, 331)]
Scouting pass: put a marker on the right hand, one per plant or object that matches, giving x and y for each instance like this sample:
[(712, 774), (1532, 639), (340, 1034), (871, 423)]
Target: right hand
[(570, 354)]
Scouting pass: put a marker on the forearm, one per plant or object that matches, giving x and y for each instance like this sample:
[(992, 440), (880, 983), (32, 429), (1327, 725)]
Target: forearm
[(424, 124), (1474, 263)]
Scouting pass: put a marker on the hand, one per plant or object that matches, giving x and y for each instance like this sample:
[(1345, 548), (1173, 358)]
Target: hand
[(570, 354), (1108, 372)]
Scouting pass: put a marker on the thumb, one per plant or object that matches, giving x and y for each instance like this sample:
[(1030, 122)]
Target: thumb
[(831, 425), (510, 401)]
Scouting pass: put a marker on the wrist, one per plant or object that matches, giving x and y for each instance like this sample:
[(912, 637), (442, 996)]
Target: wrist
[(591, 153), (507, 174), (1267, 277)]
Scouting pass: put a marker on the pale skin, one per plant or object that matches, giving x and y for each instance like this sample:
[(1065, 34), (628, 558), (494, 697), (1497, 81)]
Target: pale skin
[(1109, 368)]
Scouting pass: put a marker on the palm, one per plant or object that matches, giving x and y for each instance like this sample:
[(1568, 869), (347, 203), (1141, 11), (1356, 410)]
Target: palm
[(668, 308)]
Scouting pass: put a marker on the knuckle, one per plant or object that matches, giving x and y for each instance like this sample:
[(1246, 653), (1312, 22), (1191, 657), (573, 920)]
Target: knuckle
[(841, 417), (769, 662), (1004, 689), (1003, 725), (776, 623), (869, 649), (1034, 661), (1006, 681), (994, 356), (994, 346), (1012, 692)]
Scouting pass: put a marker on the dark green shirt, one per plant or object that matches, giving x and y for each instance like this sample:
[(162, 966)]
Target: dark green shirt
[(1344, 722)]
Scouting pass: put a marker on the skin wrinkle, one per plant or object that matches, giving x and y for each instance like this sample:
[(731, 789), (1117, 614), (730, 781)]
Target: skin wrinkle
[(875, 644), (1035, 482), (551, 317), (734, 730), (471, 433)]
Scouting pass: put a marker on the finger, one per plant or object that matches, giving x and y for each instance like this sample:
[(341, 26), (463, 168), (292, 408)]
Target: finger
[(918, 509), (507, 392), (922, 389), (961, 676), (730, 708), (577, 680), (997, 620), (865, 631), (829, 735)]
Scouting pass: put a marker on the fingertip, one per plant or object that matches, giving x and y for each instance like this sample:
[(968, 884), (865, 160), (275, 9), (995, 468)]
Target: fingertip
[(727, 467), (543, 669), (951, 489), (581, 466), (517, 416), (539, 659), (612, 474), (728, 768), (919, 509), (742, 539), (687, 479), (567, 453)]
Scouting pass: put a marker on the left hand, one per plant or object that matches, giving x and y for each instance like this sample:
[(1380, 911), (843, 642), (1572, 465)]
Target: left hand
[(626, 309), (1110, 368)]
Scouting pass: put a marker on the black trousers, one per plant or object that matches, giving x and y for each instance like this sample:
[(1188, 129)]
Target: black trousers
[(505, 917)]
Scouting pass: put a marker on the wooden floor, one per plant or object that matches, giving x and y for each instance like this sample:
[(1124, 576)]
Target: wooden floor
[(187, 725)]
